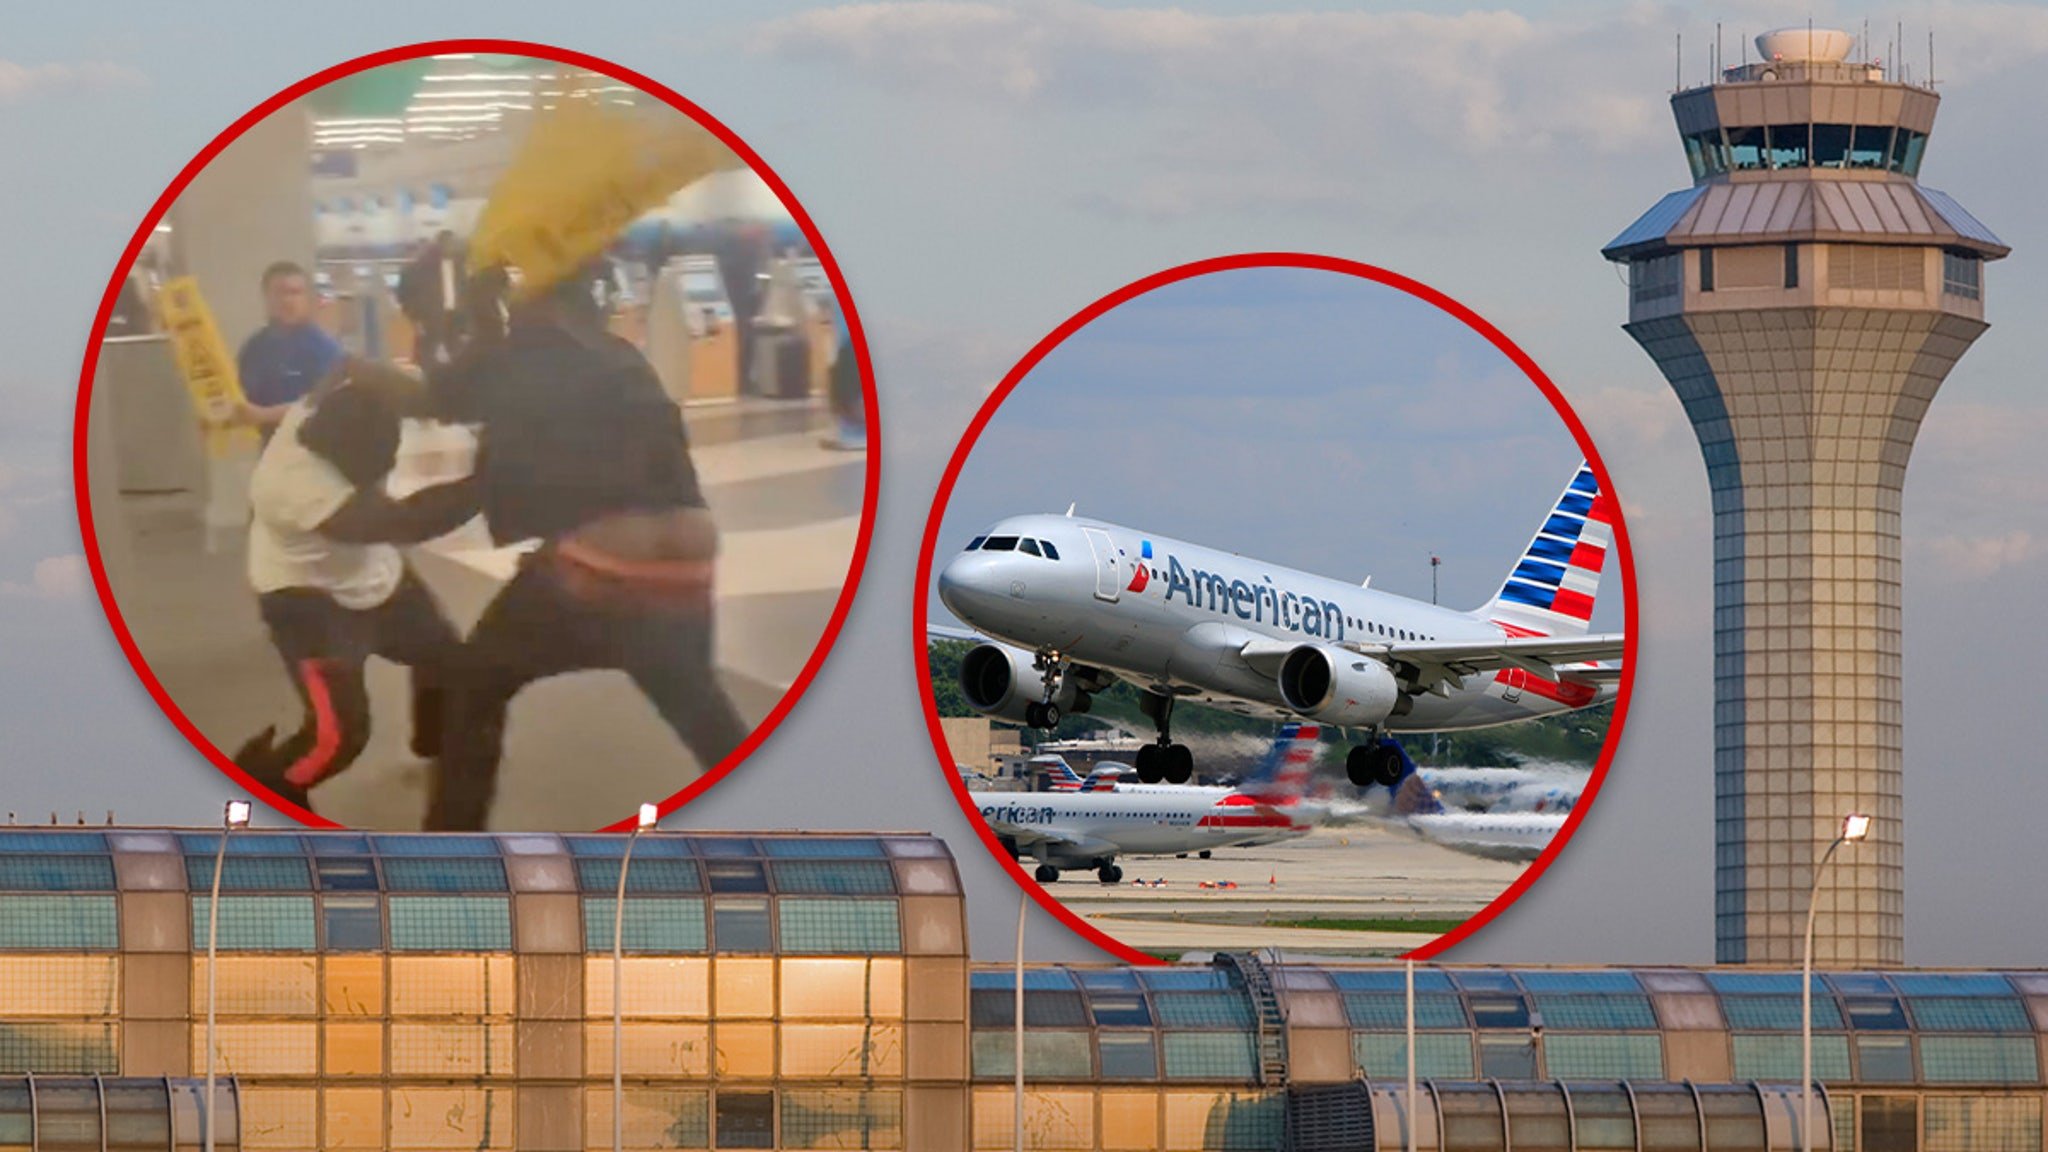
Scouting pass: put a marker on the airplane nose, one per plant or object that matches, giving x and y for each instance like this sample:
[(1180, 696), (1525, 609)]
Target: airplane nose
[(968, 584)]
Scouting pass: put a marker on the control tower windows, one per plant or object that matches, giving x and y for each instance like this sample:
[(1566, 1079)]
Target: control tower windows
[(1790, 145), (1831, 145), (1870, 146), (1746, 149), (1706, 153), (1907, 147), (1961, 275)]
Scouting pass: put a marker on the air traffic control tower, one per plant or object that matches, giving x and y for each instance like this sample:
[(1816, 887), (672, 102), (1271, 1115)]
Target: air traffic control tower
[(1805, 298)]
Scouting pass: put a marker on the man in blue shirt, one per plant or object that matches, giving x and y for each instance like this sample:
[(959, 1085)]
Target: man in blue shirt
[(289, 355)]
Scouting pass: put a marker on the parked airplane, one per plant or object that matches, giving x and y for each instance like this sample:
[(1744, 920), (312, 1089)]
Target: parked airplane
[(1506, 789), (1078, 604), (1069, 830), (1515, 836)]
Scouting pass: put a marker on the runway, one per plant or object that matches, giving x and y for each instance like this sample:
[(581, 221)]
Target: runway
[(582, 750), (1352, 873)]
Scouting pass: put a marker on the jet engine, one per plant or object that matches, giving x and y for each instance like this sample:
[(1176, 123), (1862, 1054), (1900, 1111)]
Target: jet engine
[(1004, 682), (1338, 687)]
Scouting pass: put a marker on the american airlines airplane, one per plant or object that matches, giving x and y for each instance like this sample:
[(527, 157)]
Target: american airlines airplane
[(1069, 830), (1518, 837), (1076, 604)]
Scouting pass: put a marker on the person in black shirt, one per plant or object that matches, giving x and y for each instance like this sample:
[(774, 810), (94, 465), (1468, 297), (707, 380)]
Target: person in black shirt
[(581, 448)]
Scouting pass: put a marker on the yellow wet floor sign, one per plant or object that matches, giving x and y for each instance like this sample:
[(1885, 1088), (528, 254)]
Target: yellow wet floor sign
[(203, 360), (584, 174)]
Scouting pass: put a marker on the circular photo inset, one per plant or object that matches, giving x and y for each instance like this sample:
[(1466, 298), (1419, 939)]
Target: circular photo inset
[(476, 435), (1261, 606)]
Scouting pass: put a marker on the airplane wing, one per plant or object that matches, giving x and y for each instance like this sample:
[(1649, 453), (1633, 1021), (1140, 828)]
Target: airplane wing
[(1439, 665), (942, 632), (1030, 836)]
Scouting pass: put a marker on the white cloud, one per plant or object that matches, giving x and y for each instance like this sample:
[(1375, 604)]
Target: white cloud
[(25, 81), (63, 577), (1970, 558)]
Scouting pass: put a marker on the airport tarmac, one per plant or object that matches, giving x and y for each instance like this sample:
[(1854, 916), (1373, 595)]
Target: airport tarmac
[(1353, 872), (581, 750)]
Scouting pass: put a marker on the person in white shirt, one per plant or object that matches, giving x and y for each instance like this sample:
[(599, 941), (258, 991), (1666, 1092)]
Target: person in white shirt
[(332, 585)]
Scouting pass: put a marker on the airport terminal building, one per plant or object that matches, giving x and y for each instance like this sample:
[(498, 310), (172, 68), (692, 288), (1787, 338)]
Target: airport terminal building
[(431, 993)]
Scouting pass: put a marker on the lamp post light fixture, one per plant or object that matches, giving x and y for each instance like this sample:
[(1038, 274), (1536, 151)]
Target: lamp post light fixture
[(235, 815), (1855, 826), (648, 815)]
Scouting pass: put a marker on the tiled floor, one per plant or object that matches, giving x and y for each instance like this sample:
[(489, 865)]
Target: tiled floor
[(582, 749)]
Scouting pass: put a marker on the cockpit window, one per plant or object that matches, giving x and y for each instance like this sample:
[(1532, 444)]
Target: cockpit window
[(1051, 553), (1000, 544), (974, 543), (1028, 547)]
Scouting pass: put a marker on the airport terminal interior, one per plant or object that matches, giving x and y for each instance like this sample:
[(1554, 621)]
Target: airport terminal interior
[(452, 991), (718, 287)]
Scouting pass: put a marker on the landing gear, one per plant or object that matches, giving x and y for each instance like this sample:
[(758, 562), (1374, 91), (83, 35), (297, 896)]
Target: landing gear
[(1109, 874), (1163, 760), (1204, 853), (1045, 714), (1376, 762), (1046, 874)]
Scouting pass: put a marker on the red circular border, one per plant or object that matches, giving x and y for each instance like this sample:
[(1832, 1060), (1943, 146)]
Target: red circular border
[(1414, 288), (560, 56)]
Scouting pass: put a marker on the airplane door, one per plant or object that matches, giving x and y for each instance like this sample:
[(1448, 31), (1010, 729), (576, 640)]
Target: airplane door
[(1108, 572)]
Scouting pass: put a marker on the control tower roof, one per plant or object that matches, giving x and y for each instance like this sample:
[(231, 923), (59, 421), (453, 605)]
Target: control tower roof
[(1793, 210)]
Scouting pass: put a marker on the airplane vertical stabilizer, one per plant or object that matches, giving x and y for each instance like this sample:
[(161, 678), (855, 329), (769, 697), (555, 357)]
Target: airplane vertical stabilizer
[(1551, 589)]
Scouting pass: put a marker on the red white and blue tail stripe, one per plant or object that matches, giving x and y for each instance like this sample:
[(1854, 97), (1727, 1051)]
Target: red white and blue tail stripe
[(1552, 588)]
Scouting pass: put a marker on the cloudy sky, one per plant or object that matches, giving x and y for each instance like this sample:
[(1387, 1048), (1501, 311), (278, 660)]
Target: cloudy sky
[(983, 171)]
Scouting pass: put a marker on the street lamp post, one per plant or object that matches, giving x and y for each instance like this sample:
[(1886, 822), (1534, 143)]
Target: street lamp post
[(1017, 1057), (1855, 826), (235, 815), (648, 815)]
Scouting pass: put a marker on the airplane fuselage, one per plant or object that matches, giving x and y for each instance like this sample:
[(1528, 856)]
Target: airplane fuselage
[(1082, 830)]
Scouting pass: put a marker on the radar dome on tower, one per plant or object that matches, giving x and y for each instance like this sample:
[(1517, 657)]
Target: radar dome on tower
[(1826, 45)]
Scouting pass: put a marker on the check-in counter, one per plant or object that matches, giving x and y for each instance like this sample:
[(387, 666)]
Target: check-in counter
[(691, 338)]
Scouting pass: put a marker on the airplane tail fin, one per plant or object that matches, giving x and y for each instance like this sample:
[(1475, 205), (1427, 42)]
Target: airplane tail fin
[(1551, 589), (1063, 779), (1284, 775), (1412, 795)]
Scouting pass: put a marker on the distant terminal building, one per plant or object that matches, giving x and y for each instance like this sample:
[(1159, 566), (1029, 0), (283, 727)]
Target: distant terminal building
[(436, 993), (1805, 298)]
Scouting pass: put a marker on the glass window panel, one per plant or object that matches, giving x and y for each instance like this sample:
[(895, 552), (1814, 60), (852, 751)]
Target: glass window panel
[(1499, 1011), (346, 873), (1054, 1120), (40, 843), (429, 844), (1128, 1056), (1951, 984), (48, 1047), (1734, 1120), (354, 985), (1210, 1056), (1597, 1012), (1505, 1057), (249, 873), (656, 1118), (59, 922), (260, 986), (1830, 145), (658, 1050), (354, 1118), (137, 1115), (1439, 1056), (1130, 1121), (1604, 1120), (842, 1051), (1236, 1121), (1890, 1123), (429, 875), (451, 923), (257, 923), (1871, 1014), (1581, 1057), (842, 1118), (1780, 1012), (823, 847), (56, 873), (1539, 982), (1390, 980), (743, 987), (655, 875), (1472, 1119), (1669, 1118), (746, 1119), (742, 926), (1107, 979), (834, 877), (1969, 1014), (735, 876), (1979, 1060), (261, 1048), (1777, 1057), (1884, 1059), (1047, 1055), (1180, 980), (355, 923), (283, 1118), (652, 925), (1746, 148), (1537, 1121), (885, 988), (827, 925), (744, 1051), (1765, 983), (1983, 1124), (1203, 1010), (1054, 979), (337, 843), (654, 987), (1041, 1009), (452, 1049), (68, 1117), (1870, 145), (615, 847), (725, 846), (246, 843), (452, 986), (825, 989), (1120, 1010), (1842, 1110), (354, 1049), (454, 1119), (58, 986)]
